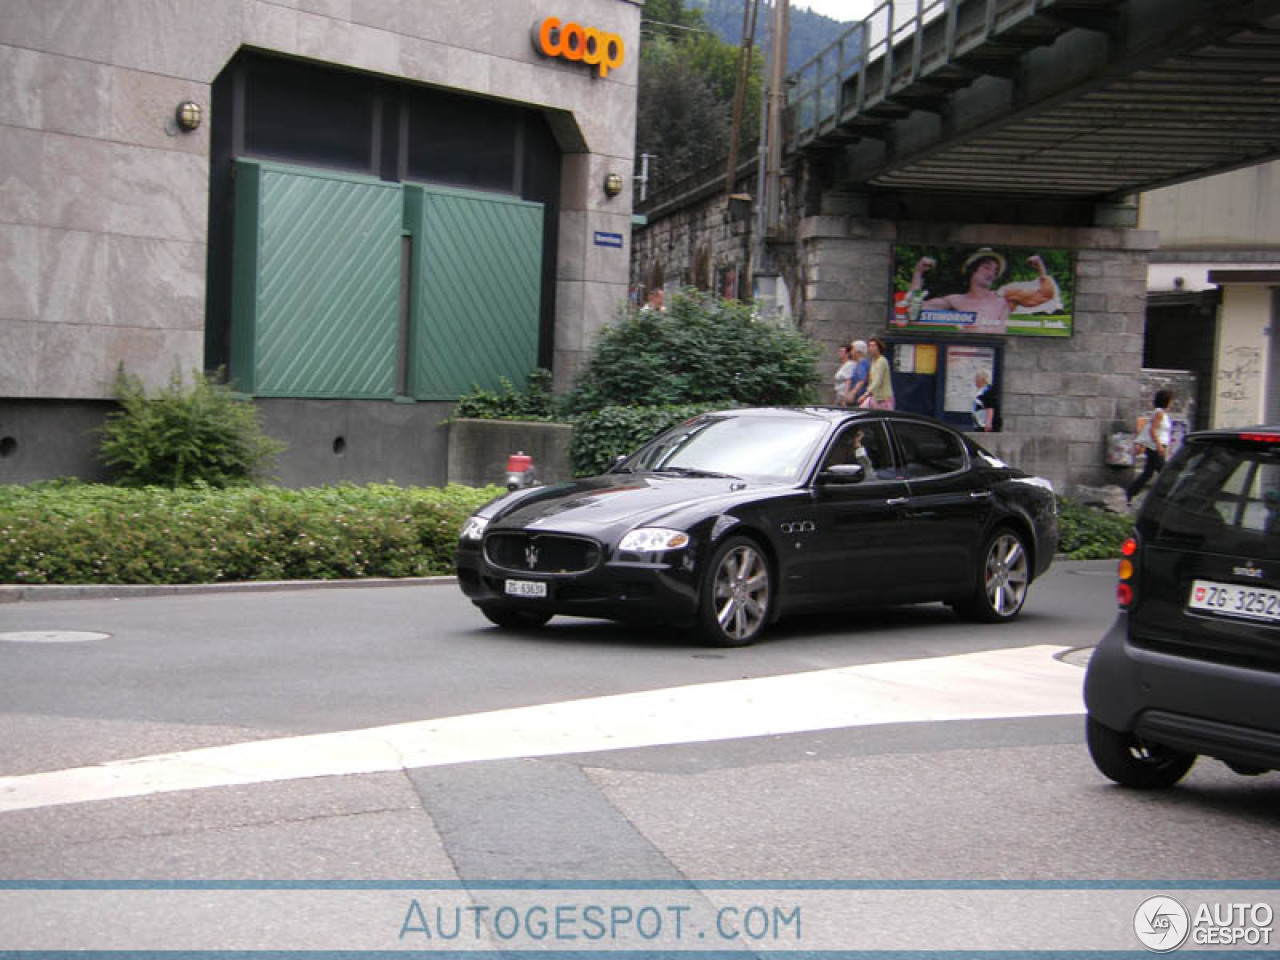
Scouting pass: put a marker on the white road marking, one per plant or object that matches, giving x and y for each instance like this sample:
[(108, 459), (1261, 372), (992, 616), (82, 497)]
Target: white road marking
[(994, 684)]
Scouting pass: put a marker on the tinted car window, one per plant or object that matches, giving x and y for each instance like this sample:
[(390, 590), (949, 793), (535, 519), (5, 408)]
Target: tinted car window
[(1223, 496), (929, 451)]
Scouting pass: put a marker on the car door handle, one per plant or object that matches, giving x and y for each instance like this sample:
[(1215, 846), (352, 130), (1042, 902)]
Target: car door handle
[(980, 494), (896, 501)]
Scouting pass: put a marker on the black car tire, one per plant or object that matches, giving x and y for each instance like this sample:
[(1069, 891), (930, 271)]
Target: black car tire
[(737, 594), (1128, 761), (1004, 577), (510, 619)]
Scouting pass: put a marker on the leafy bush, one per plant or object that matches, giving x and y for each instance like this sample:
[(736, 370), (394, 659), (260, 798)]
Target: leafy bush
[(181, 435), (701, 350), (534, 402), (1087, 533), (600, 438), (70, 533)]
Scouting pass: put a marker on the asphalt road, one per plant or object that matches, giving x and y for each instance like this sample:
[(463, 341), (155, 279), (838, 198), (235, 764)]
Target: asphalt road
[(966, 782)]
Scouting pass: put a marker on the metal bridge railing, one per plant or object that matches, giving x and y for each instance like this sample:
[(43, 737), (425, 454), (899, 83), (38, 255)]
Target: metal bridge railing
[(838, 80)]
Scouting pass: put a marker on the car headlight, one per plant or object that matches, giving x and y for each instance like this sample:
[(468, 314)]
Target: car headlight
[(473, 529), (653, 540)]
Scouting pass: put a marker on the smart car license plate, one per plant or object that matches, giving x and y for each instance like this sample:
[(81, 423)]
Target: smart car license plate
[(526, 588), (1233, 600)]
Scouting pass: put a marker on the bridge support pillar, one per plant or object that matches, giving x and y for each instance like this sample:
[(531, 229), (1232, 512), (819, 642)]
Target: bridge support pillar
[(1061, 395)]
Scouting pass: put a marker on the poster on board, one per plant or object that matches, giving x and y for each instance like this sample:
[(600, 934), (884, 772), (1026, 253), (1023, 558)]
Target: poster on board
[(963, 365), (1005, 291)]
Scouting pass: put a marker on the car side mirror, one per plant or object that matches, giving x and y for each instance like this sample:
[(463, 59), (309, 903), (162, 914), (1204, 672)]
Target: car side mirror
[(841, 474)]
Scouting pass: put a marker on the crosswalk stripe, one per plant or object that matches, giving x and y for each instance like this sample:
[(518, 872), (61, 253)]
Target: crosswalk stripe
[(993, 684)]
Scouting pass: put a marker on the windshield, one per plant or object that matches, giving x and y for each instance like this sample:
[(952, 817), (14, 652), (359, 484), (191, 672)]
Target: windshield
[(767, 449)]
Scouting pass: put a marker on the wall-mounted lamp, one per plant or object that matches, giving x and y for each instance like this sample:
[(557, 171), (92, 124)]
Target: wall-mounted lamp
[(612, 184), (187, 115)]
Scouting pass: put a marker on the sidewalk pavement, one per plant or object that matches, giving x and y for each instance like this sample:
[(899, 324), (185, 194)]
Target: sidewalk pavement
[(14, 593)]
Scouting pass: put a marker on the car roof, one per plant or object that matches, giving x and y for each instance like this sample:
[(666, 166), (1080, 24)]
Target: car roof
[(1267, 433), (832, 414)]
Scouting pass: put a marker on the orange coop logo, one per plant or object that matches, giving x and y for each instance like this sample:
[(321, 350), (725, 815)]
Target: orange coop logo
[(572, 41)]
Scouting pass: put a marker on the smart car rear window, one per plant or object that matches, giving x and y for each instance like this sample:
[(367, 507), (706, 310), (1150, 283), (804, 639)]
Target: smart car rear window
[(1226, 496)]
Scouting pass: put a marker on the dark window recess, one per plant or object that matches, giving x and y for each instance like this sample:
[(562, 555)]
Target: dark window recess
[(294, 111), (463, 143)]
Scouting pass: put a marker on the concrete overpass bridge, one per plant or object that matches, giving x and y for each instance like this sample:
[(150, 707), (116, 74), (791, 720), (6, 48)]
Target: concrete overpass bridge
[(1021, 125), (1047, 99)]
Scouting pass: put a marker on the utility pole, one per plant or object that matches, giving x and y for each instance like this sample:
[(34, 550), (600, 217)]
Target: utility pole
[(749, 9), (777, 102), (766, 280)]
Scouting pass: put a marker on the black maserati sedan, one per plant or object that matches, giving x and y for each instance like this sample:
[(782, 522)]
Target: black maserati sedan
[(733, 519)]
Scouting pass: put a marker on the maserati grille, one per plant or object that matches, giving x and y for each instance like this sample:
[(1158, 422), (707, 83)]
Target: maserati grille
[(541, 553)]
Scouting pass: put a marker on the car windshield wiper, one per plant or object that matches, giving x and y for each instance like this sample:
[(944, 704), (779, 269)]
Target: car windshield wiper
[(691, 472)]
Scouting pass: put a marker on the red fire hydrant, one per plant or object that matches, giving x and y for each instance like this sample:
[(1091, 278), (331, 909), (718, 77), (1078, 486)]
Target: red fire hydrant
[(520, 471)]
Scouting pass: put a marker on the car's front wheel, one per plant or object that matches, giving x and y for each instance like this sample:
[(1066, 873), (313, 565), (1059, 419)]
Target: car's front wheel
[(1131, 763), (510, 619), (737, 594), (1003, 579)]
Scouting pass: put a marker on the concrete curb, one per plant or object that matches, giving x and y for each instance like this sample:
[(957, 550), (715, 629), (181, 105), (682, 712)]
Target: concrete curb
[(15, 593)]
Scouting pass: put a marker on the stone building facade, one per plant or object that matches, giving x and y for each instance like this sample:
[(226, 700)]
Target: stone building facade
[(119, 244)]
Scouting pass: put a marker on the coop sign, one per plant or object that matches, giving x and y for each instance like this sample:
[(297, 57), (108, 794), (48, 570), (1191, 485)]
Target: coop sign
[(572, 41)]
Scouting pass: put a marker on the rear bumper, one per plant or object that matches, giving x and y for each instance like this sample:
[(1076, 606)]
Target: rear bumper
[(1214, 709)]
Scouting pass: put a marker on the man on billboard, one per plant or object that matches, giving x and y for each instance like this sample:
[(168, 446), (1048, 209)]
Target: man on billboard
[(980, 309)]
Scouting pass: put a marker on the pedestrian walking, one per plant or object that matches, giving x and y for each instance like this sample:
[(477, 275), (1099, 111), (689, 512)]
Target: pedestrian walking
[(880, 381), (1153, 440)]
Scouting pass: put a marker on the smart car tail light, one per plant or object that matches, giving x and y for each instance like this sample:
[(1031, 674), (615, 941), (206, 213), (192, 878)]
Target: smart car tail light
[(1128, 570)]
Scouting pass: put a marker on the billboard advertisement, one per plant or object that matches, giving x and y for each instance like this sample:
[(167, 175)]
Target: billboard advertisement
[(1005, 291)]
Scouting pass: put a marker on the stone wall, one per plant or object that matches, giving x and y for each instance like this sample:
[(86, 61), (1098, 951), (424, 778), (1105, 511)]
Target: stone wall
[(702, 246)]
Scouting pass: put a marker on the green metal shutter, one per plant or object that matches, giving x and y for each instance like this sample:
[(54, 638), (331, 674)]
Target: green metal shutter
[(317, 283), (475, 309)]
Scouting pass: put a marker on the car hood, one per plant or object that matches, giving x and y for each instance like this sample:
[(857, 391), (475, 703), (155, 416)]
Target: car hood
[(620, 499)]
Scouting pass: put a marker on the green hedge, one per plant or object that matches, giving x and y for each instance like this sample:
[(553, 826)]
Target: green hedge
[(701, 349), (1087, 533), (70, 533)]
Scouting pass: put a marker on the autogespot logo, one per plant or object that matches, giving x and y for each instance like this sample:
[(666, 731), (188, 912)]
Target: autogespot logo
[(1162, 924)]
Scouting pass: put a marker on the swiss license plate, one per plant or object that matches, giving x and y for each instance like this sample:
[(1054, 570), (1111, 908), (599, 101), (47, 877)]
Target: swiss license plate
[(1233, 600), (526, 588)]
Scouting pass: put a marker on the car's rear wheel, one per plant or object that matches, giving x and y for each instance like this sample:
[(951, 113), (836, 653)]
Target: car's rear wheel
[(510, 619), (1003, 579), (737, 594), (1131, 763)]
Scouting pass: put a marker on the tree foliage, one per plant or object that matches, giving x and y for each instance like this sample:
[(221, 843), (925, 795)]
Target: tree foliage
[(688, 79)]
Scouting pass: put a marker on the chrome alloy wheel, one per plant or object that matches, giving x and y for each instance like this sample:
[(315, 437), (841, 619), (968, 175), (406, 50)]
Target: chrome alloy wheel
[(1007, 576), (741, 592)]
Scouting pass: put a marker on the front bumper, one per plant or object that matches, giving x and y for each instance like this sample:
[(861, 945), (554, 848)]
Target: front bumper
[(1215, 709), (662, 592)]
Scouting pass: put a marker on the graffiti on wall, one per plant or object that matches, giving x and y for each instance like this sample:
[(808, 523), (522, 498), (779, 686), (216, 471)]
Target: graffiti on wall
[(1238, 380)]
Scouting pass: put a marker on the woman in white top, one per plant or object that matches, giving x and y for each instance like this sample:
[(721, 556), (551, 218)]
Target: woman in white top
[(844, 375), (1154, 439)]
